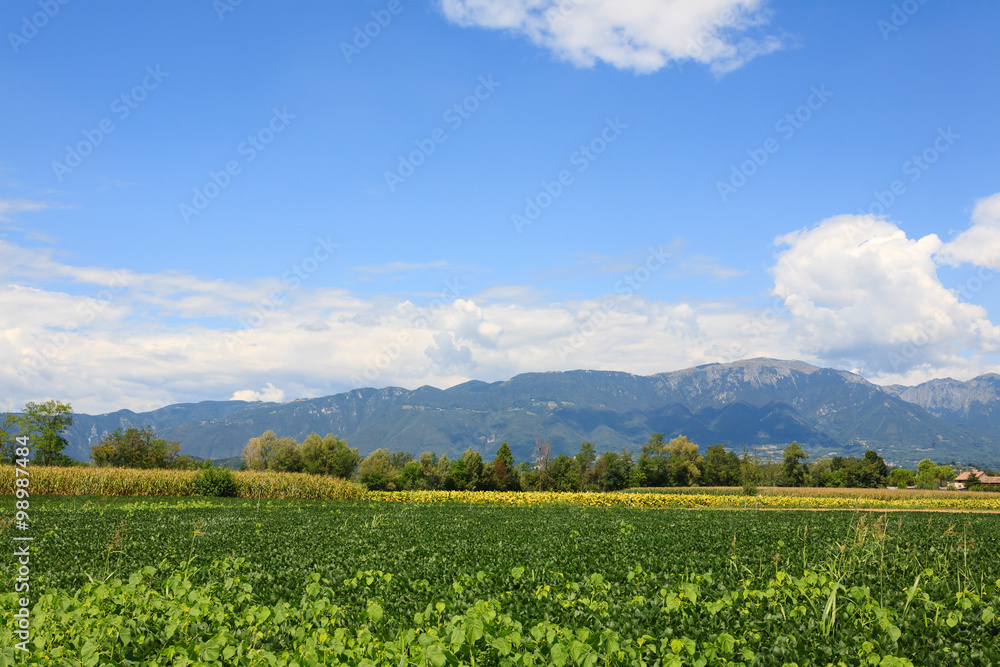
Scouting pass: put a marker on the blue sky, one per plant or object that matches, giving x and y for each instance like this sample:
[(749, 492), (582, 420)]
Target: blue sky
[(205, 200)]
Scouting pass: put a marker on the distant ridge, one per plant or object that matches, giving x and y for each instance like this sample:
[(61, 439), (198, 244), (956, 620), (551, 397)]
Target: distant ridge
[(760, 403)]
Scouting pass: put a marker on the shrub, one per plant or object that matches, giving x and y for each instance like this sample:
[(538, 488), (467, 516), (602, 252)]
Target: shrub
[(218, 482), (376, 481)]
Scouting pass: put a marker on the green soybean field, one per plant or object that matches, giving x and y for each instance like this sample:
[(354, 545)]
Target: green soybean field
[(120, 581)]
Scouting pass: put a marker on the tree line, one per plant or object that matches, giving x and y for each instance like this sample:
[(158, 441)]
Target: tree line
[(45, 424), (659, 462)]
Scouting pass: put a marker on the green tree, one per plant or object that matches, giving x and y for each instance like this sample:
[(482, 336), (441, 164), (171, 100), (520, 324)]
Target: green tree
[(287, 456), (683, 462), (614, 470), (442, 474), (377, 471), (331, 456), (428, 470), (459, 475), (257, 452), (793, 471), (503, 467), (137, 448), (901, 478), (932, 476), (720, 468), (585, 460), (10, 427), (653, 461), (478, 480), (674, 463), (400, 459), (873, 473), (751, 471), (410, 477), (564, 474), (821, 473), (44, 424)]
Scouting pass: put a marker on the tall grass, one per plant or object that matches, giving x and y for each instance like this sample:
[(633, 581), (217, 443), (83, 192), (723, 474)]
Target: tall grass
[(80, 481)]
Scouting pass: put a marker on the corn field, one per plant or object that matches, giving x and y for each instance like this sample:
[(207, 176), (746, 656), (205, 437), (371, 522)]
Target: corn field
[(88, 481)]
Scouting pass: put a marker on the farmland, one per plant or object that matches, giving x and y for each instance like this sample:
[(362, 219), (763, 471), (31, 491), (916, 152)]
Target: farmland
[(219, 582), (117, 482)]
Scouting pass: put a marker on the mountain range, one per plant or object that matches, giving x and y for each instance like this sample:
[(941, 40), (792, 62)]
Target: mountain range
[(763, 404)]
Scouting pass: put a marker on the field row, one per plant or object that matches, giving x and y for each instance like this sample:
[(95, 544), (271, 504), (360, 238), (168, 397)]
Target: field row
[(176, 581), (112, 482)]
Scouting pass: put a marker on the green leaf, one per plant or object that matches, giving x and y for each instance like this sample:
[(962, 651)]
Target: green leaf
[(558, 654), (375, 613), (436, 655), (88, 654), (210, 651), (502, 646)]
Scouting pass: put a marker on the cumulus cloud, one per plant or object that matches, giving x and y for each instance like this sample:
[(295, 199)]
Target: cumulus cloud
[(861, 294), (268, 394), (639, 35), (448, 355), (980, 243)]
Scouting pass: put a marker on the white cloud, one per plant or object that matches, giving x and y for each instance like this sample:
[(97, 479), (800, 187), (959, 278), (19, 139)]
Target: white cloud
[(640, 35), (144, 340), (705, 265), (980, 243), (11, 206), (400, 267), (268, 394), (861, 294), (852, 292)]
